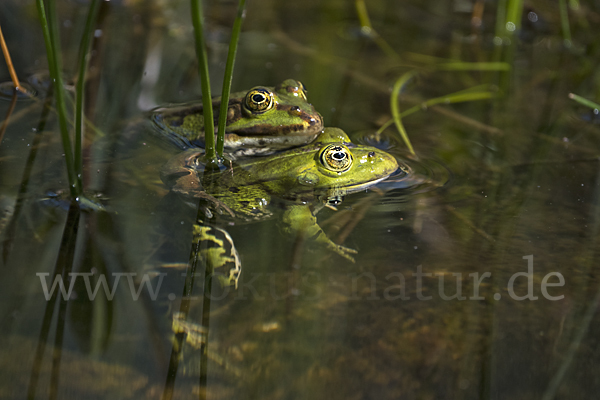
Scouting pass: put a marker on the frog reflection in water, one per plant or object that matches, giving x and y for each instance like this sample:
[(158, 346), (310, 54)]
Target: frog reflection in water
[(259, 121)]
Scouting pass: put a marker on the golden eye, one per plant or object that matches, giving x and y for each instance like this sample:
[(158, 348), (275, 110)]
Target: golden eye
[(336, 157), (259, 100)]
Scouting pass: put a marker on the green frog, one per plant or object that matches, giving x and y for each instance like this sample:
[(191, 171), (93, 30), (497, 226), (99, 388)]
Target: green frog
[(307, 178), (304, 179), (260, 121)]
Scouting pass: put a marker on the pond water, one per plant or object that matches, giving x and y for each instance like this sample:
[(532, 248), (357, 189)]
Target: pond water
[(475, 278)]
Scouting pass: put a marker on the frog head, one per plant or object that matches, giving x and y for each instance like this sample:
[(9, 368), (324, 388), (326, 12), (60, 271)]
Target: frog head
[(274, 118), (261, 120), (331, 166)]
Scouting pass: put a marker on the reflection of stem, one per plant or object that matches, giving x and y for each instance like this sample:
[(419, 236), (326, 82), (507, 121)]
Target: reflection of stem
[(64, 264), (470, 224), (12, 226), (13, 101), (9, 64), (568, 360), (206, 300), (184, 308)]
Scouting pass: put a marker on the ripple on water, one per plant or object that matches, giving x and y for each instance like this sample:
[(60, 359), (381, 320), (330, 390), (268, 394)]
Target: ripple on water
[(415, 175), (7, 90)]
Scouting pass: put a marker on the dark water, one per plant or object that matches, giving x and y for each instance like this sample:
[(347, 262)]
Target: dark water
[(432, 308)]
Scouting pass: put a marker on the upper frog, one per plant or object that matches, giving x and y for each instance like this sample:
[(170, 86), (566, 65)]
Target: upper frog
[(310, 176), (259, 121)]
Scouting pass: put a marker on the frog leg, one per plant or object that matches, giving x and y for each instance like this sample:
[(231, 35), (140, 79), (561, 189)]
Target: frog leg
[(185, 181), (218, 252), (215, 203), (301, 219), (196, 336)]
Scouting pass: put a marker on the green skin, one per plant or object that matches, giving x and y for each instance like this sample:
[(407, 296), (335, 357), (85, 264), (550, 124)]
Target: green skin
[(290, 121), (301, 175)]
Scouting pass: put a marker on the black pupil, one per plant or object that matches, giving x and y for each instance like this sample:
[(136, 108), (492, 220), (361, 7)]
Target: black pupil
[(258, 98), (339, 156)]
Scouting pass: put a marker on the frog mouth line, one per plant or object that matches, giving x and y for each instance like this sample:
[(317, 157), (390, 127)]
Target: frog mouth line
[(361, 186)]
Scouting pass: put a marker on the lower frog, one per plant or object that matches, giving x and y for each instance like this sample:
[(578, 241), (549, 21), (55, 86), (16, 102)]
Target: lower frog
[(261, 120), (306, 178)]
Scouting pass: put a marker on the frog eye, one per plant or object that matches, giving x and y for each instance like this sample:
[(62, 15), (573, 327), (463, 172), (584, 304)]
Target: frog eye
[(301, 91), (259, 100), (292, 87), (336, 157)]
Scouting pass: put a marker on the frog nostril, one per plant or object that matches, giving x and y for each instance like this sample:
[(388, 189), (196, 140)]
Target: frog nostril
[(295, 110), (371, 154)]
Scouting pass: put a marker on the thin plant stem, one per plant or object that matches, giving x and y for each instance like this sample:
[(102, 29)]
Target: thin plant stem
[(396, 109), (235, 36), (476, 66), (83, 63), (9, 64), (584, 101), (50, 33), (209, 129), (582, 330), (367, 29), (513, 16), (11, 108), (564, 23), (471, 94)]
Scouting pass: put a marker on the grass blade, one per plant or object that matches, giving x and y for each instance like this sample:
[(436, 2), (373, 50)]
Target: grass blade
[(50, 32), (235, 36), (83, 63), (564, 23), (209, 128), (584, 101), (476, 66), (367, 29), (471, 94), (396, 110)]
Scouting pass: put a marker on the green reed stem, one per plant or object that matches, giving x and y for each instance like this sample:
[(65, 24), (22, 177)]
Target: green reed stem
[(584, 101), (50, 32), (470, 66), (471, 94), (209, 128), (501, 19), (367, 29), (564, 23), (83, 60), (396, 109), (513, 16), (233, 43)]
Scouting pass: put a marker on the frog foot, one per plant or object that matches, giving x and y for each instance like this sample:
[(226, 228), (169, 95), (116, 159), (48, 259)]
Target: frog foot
[(219, 252), (343, 251)]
